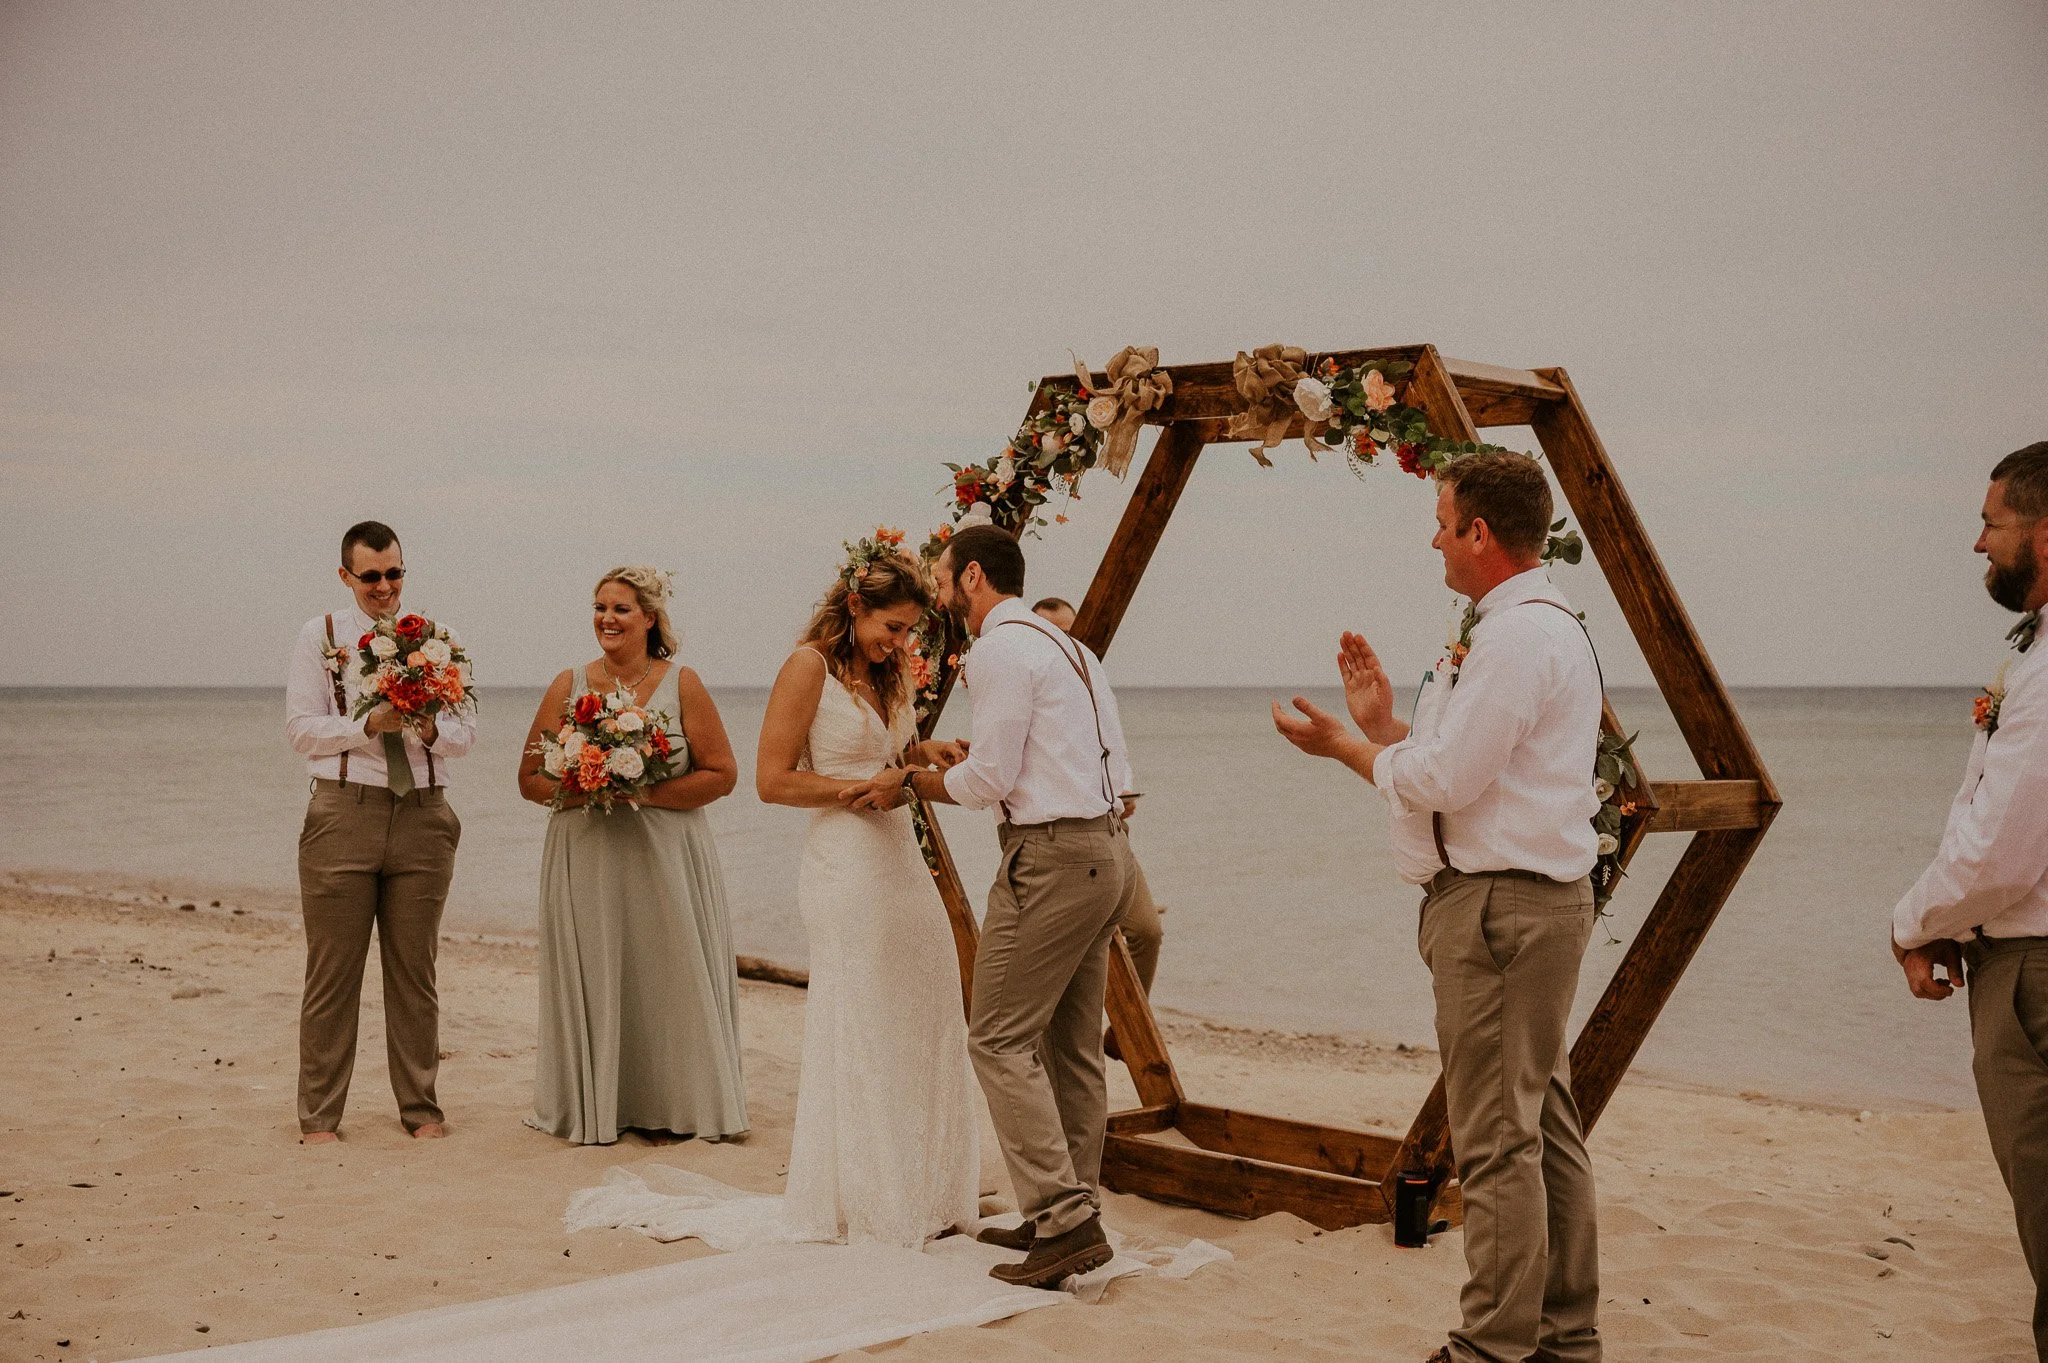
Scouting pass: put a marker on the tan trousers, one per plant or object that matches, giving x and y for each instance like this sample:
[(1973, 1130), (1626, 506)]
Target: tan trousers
[(366, 858), (1036, 1029), (2009, 1033), (1143, 932), (1503, 954)]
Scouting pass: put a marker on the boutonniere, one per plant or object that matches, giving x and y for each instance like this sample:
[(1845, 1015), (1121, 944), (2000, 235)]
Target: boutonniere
[(1458, 644), (1984, 709)]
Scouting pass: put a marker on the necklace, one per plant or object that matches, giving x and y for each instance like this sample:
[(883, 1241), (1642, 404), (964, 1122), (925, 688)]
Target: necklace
[(633, 685)]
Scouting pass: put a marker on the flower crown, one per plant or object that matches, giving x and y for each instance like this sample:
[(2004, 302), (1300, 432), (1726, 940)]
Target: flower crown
[(863, 554)]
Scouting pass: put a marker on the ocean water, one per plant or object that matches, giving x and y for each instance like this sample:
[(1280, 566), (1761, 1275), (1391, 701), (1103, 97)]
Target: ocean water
[(1283, 909)]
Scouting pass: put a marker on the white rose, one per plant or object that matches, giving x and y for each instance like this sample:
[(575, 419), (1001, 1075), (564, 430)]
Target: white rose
[(625, 762), (437, 652), (383, 646), (1313, 397), (554, 762), (1006, 472), (630, 723), (1049, 443), (441, 632), (1603, 790), (1078, 424), (1102, 413), (978, 514), (572, 748), (1609, 844)]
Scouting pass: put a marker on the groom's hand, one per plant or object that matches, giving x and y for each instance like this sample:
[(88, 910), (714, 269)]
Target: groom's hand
[(385, 719), (1368, 695), (1920, 964)]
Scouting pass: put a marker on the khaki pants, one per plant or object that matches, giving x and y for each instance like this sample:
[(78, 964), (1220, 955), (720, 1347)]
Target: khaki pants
[(1142, 929), (1503, 954), (366, 858), (1036, 1029), (2009, 1034)]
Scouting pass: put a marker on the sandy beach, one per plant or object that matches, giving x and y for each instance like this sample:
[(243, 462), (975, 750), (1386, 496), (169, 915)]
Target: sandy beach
[(158, 1201)]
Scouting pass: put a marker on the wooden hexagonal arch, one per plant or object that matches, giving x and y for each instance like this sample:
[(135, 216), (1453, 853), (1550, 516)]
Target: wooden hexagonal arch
[(1247, 1164)]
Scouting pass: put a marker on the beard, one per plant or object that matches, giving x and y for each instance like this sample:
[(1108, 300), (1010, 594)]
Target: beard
[(2011, 585)]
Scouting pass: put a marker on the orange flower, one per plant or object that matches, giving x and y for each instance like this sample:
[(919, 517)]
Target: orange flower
[(888, 535), (1061, 518), (590, 772)]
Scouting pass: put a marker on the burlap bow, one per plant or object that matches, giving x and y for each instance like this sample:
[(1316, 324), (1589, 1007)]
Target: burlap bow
[(1136, 385), (1265, 379)]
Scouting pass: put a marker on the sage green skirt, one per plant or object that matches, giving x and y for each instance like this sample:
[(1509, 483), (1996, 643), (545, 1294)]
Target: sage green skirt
[(639, 997)]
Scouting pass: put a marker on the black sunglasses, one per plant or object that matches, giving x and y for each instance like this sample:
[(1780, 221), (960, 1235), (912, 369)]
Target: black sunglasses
[(373, 577)]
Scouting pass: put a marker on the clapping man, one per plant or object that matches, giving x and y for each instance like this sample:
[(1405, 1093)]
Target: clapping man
[(1492, 799), (1983, 902), (378, 848)]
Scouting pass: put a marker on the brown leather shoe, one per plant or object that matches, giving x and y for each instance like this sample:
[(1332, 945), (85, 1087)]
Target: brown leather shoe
[(1052, 1258), (1011, 1237)]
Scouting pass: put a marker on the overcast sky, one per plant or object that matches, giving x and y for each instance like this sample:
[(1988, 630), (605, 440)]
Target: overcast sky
[(552, 287)]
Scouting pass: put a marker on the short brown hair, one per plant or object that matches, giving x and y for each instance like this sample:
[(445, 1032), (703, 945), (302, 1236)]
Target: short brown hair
[(1506, 490), (1053, 603), (2025, 475), (997, 551), (374, 536)]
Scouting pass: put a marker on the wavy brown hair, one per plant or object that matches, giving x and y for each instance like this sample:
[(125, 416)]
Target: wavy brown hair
[(889, 580)]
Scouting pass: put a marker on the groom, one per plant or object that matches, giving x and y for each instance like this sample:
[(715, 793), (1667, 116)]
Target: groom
[(1048, 752)]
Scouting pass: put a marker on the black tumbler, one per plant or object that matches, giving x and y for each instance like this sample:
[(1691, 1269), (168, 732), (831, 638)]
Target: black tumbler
[(1414, 1194)]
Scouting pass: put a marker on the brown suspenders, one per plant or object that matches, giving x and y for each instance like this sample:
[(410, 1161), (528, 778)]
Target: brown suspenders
[(341, 708), (1077, 660), (1436, 818)]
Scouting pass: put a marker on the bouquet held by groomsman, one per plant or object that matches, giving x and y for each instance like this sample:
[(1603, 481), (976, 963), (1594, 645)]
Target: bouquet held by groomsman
[(378, 703), (1981, 906)]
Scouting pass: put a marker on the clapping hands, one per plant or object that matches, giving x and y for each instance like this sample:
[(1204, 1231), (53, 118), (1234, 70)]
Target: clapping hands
[(1368, 695)]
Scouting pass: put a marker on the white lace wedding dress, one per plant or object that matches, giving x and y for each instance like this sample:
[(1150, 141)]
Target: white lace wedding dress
[(888, 1132)]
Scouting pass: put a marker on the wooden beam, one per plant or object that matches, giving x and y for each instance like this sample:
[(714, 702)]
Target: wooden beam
[(1282, 1140), (1139, 1121), (1426, 1149), (1472, 376), (1498, 409), (1658, 956), (1235, 1186), (959, 913), (1137, 535), (1430, 388), (1137, 1032), (1692, 806), (1692, 688), (1210, 390)]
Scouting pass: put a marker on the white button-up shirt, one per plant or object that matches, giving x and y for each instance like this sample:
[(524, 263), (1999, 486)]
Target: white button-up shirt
[(1034, 746), (320, 735), (1506, 754), (1992, 869)]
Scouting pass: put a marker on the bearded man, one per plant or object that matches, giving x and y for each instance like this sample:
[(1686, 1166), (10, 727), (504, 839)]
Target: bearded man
[(1982, 905)]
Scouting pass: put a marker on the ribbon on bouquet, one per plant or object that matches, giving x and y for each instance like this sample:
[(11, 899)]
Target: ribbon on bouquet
[(1136, 385), (1266, 380)]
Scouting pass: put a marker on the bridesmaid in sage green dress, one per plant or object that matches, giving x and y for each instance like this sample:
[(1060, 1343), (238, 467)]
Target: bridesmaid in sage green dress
[(639, 997)]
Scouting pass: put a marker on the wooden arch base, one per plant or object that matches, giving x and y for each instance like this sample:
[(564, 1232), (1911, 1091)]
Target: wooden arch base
[(1244, 1164)]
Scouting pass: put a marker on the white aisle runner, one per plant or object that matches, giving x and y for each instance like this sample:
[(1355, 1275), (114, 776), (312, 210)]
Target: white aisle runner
[(778, 1304)]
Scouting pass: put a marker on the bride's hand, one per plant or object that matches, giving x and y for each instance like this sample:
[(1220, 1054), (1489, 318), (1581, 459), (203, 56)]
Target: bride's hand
[(945, 754), (883, 792)]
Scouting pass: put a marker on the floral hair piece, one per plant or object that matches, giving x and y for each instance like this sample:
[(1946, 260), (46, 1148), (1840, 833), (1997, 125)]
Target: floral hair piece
[(863, 554)]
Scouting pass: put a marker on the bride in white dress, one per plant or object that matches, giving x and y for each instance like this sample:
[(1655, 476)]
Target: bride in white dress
[(888, 1134)]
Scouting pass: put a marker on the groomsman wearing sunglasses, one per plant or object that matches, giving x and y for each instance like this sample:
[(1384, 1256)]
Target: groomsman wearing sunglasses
[(377, 849), (1981, 907)]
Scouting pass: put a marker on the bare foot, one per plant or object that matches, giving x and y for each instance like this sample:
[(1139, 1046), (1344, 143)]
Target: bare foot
[(429, 1131), (319, 1137)]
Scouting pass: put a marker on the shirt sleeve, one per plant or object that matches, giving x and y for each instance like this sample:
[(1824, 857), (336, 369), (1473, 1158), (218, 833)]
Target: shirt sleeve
[(1489, 711), (1995, 848), (310, 724), (1001, 719)]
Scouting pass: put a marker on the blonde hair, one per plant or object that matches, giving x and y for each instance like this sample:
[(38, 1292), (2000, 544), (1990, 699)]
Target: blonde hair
[(652, 588), (880, 582)]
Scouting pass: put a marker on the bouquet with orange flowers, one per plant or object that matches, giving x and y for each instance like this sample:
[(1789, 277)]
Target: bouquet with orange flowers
[(609, 749), (415, 665)]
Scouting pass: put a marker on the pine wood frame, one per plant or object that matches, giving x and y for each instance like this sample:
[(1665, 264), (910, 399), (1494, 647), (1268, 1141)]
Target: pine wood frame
[(1245, 1164)]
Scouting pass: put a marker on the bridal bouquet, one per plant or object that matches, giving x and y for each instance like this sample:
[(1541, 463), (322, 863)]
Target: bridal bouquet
[(412, 663), (609, 749)]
